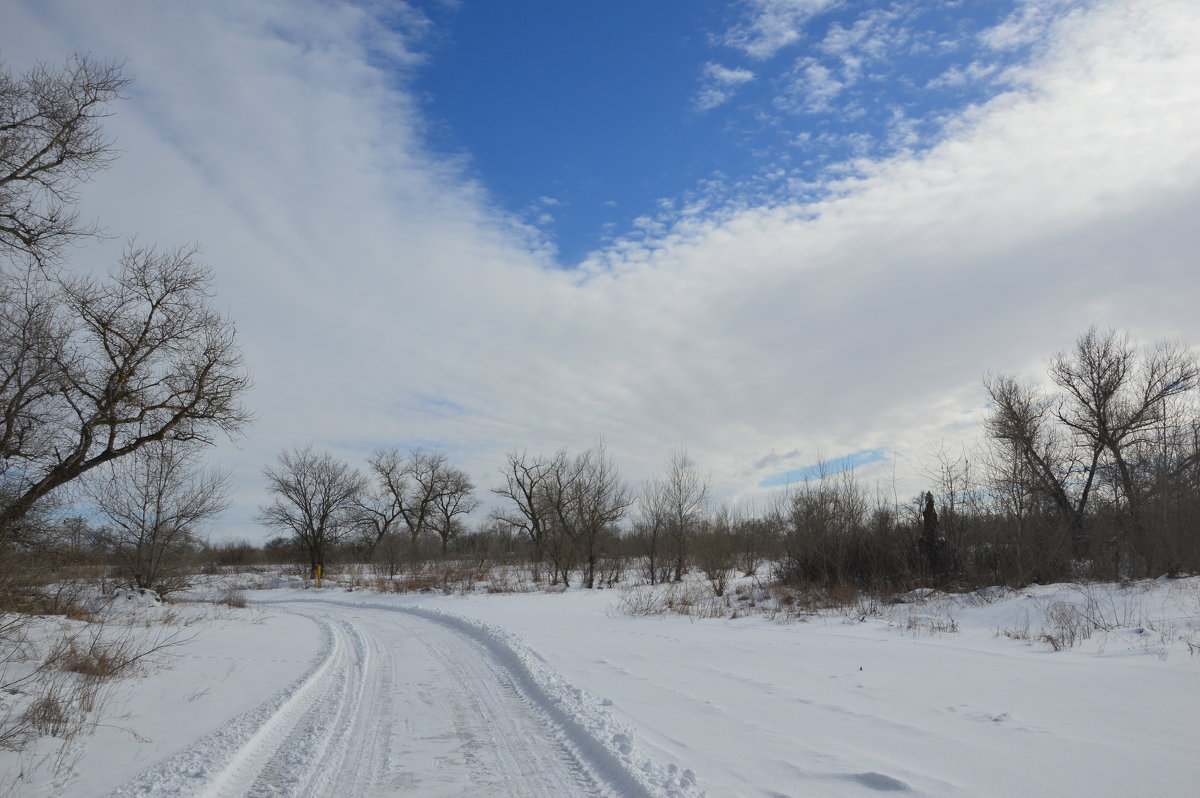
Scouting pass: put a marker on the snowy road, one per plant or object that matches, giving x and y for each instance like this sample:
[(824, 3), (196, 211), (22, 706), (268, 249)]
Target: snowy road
[(398, 702)]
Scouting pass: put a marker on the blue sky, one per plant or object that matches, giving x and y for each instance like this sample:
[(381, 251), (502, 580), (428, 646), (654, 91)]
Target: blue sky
[(765, 231), (826, 468), (581, 118), (576, 111)]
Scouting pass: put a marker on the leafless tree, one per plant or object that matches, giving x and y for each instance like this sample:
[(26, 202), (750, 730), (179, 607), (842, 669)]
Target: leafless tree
[(716, 547), (756, 535), (456, 499), (525, 476), (315, 497), (586, 499), (649, 526), (681, 496), (91, 369), (426, 482), (51, 140), (1038, 464), (421, 490), (379, 508), (101, 368), (154, 503), (555, 502), (1114, 432), (1115, 399), (826, 540)]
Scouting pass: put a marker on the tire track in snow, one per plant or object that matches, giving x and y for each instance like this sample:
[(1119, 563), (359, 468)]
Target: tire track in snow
[(504, 740), (317, 747), (411, 701), (222, 761)]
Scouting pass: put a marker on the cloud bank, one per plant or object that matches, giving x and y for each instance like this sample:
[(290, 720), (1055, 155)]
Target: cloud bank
[(383, 298)]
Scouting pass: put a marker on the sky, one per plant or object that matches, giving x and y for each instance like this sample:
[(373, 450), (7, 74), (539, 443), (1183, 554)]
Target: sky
[(770, 232)]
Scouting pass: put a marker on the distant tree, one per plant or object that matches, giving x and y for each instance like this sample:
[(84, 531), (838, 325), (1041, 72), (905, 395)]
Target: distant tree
[(682, 503), (155, 503), (1114, 425), (586, 498), (281, 549), (716, 547), (1038, 459), (649, 526), (315, 497), (380, 508), (525, 478), (932, 544), (420, 491), (1115, 399), (455, 500)]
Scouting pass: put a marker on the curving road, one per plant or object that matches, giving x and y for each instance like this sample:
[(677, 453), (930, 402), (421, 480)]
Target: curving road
[(397, 702)]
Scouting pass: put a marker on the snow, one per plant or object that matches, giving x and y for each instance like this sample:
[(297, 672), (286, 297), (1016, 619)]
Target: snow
[(561, 694)]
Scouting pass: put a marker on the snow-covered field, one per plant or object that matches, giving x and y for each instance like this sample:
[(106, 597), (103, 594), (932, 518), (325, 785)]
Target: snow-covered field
[(331, 692)]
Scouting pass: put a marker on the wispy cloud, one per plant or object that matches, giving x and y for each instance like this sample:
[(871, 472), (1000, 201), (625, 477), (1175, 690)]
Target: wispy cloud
[(718, 84), (772, 25), (813, 88), (1029, 22)]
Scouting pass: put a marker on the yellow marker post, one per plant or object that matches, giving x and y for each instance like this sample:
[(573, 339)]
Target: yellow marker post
[(318, 577)]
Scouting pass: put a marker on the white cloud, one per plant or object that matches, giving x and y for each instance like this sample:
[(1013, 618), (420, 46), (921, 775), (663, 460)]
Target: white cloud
[(812, 89), (773, 25), (382, 299), (727, 76), (812, 85), (876, 35), (957, 76), (719, 84), (1028, 23)]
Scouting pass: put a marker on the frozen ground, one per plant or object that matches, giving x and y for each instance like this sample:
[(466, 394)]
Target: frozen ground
[(351, 693)]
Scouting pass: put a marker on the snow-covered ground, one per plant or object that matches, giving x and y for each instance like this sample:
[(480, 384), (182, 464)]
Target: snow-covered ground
[(329, 692)]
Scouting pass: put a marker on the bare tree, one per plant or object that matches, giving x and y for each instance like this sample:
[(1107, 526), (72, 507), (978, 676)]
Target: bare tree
[(649, 526), (1115, 400), (422, 491), (586, 498), (102, 368), (381, 506), (51, 140), (1114, 433), (91, 370), (1022, 420), (682, 496), (315, 499), (456, 499), (716, 548), (559, 532), (154, 503), (524, 480), (826, 522), (426, 472)]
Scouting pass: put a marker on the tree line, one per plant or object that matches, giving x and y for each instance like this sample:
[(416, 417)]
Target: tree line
[(1096, 475)]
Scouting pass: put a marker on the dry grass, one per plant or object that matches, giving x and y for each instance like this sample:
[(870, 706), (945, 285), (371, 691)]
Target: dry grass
[(232, 597), (694, 600), (59, 688)]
